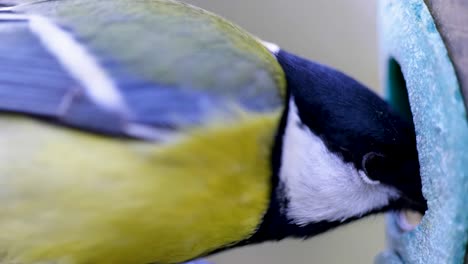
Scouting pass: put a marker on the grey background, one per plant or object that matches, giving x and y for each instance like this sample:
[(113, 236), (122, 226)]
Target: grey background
[(340, 33)]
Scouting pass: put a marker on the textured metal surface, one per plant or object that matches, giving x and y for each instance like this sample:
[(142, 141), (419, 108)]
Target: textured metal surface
[(410, 37), (451, 18)]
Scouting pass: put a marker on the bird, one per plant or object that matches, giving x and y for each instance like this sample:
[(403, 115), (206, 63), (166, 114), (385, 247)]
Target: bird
[(158, 132)]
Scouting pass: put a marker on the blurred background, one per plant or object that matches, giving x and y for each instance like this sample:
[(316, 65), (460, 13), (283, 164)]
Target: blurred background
[(342, 34)]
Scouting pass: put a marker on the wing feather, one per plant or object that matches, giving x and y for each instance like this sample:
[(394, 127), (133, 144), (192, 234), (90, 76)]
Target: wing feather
[(174, 66)]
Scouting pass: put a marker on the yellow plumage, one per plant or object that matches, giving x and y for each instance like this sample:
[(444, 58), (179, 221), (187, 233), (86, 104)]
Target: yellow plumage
[(67, 196), (72, 197)]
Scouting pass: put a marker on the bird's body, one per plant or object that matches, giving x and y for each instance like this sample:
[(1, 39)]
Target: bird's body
[(89, 198), (98, 200), (156, 132)]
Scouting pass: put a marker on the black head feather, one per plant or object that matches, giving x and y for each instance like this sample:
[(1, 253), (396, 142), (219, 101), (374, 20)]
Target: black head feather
[(356, 124)]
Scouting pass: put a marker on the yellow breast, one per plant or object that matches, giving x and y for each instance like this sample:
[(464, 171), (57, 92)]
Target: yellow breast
[(78, 198)]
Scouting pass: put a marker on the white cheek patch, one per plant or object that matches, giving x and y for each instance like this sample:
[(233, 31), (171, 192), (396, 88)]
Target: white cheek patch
[(319, 185)]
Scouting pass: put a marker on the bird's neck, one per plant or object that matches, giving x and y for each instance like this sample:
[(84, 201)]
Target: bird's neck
[(276, 224), (314, 189)]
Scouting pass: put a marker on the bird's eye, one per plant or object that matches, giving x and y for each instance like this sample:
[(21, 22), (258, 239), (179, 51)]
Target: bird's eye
[(372, 163)]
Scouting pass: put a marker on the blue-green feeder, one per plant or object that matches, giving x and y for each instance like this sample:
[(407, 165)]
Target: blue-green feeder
[(424, 52)]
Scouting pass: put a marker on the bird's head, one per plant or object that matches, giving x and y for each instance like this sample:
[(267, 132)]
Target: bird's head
[(342, 152)]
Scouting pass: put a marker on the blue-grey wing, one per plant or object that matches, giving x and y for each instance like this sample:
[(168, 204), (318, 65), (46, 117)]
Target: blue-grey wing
[(170, 71), (34, 82)]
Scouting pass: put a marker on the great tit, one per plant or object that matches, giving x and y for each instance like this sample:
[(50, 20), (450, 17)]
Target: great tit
[(157, 132)]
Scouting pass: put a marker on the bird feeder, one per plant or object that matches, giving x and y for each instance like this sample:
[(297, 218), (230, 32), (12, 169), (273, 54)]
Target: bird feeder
[(424, 57)]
